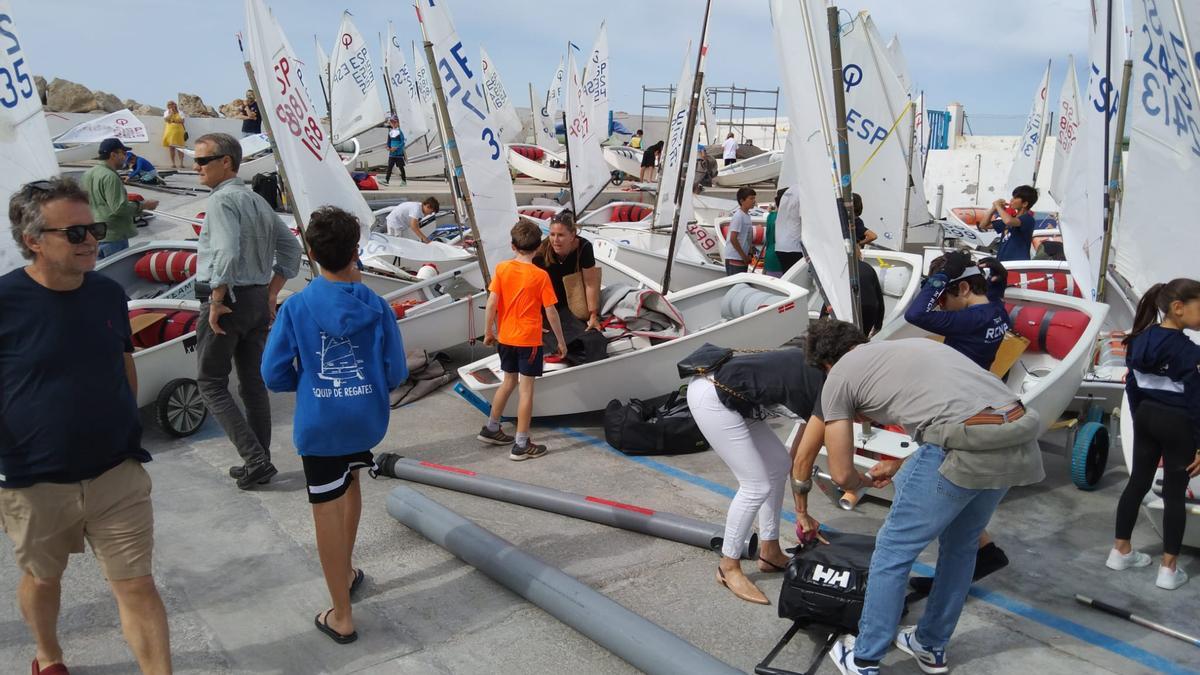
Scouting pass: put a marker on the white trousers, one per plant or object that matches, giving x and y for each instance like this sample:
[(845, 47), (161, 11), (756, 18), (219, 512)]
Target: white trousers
[(758, 458)]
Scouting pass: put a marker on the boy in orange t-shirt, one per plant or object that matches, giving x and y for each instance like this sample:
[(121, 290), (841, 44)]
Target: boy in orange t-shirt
[(520, 293)]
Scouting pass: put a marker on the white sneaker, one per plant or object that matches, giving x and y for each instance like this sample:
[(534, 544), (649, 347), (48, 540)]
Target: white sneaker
[(931, 661), (842, 655), (1170, 579), (1123, 561)]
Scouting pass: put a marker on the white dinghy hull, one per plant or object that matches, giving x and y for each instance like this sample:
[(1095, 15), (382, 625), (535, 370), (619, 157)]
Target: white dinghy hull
[(120, 268), (752, 170), (539, 170)]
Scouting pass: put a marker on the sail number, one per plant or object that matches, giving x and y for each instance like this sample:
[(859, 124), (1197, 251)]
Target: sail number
[(864, 127), (458, 90), (1068, 125), (15, 84), (294, 111), (357, 66), (1166, 85)]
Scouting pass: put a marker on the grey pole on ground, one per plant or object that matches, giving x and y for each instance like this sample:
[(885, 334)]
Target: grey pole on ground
[(595, 509), (642, 643)]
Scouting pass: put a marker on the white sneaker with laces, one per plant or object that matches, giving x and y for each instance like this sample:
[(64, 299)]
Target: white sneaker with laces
[(1170, 579), (931, 661), (842, 656), (1123, 561)]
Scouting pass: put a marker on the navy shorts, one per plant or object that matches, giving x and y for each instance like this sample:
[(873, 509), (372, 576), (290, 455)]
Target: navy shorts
[(524, 360), (329, 477)]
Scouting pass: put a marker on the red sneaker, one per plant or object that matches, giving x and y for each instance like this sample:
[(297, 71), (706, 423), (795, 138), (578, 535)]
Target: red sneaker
[(56, 669)]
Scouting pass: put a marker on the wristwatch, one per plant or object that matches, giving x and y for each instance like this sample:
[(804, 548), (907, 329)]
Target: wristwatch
[(801, 487)]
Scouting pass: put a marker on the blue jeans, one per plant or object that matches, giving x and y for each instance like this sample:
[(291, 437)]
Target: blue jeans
[(926, 506), (108, 248), (732, 268)]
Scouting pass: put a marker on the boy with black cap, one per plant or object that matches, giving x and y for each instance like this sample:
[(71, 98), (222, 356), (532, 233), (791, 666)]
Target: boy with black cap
[(109, 200)]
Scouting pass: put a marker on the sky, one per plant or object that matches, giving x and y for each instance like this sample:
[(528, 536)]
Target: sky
[(985, 54)]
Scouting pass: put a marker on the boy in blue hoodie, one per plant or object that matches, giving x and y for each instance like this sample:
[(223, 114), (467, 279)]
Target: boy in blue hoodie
[(336, 344)]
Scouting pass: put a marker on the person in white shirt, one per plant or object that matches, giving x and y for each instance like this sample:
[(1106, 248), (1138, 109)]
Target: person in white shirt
[(788, 248), (405, 219), (739, 238), (730, 149)]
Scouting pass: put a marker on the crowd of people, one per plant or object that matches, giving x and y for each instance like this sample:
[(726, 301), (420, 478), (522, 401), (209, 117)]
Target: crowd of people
[(64, 484)]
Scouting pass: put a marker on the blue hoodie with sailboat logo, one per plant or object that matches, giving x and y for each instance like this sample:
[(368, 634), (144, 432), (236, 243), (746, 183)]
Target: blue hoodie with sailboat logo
[(338, 347)]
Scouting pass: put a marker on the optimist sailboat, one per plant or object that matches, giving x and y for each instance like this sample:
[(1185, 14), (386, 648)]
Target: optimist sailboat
[(543, 160), (738, 311)]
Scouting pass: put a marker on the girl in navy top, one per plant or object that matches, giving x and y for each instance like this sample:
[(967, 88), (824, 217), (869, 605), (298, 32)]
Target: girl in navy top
[(1163, 388)]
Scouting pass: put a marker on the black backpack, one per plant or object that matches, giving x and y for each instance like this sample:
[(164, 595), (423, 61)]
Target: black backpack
[(266, 185), (826, 585), (659, 426)]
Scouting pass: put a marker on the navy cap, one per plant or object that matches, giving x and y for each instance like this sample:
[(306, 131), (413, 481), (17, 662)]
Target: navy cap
[(110, 144)]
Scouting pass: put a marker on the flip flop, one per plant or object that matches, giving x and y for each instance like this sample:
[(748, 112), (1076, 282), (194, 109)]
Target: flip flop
[(358, 580), (337, 637)]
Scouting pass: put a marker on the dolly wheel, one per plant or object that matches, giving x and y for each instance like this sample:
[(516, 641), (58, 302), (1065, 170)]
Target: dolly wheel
[(1089, 456), (616, 178), (180, 409)]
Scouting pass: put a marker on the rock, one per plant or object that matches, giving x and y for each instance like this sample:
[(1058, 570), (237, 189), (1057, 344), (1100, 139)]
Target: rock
[(70, 97), (108, 102), (40, 83), (193, 106), (231, 109), (143, 110)]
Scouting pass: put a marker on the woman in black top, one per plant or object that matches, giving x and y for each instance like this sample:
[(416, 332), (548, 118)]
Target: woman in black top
[(564, 254), (730, 407), (650, 160)]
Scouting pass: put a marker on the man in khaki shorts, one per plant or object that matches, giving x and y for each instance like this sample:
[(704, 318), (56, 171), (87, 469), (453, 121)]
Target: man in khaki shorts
[(70, 441)]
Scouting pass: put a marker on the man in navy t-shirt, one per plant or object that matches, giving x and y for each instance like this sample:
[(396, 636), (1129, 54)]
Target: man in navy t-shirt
[(1014, 223), (70, 440)]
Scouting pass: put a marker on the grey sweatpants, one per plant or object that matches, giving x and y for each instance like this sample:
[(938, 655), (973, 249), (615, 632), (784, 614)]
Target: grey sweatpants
[(241, 347)]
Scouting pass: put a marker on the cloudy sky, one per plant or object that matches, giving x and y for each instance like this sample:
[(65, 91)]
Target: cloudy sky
[(986, 54)]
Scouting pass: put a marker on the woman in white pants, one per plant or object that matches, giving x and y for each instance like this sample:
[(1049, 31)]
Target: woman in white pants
[(728, 405)]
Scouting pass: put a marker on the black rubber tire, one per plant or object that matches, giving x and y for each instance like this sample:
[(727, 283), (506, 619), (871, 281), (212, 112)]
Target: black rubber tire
[(179, 408)]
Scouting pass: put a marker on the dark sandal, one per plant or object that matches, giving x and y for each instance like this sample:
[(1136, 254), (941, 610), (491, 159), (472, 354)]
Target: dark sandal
[(773, 566), (337, 637), (358, 581)]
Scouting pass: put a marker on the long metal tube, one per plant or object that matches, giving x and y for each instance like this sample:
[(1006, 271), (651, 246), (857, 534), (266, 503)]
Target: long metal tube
[(843, 157), (1114, 188), (644, 644), (595, 509)]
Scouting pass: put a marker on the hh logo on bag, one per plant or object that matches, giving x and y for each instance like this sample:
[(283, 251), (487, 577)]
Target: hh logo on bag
[(831, 576)]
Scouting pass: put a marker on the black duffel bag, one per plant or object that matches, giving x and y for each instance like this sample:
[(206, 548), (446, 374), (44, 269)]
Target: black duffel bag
[(659, 426), (825, 585)]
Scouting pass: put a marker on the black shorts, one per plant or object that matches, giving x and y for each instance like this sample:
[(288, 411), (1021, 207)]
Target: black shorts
[(729, 160), (329, 477), (524, 360)]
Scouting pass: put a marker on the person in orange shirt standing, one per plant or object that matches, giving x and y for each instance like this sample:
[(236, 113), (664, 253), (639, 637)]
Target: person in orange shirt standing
[(520, 293)]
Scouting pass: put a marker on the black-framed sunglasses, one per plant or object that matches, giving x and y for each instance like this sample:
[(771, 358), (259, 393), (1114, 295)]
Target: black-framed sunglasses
[(204, 161), (77, 234), (37, 186)]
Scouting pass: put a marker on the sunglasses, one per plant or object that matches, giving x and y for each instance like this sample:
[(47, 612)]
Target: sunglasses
[(204, 161), (77, 234), (37, 186)]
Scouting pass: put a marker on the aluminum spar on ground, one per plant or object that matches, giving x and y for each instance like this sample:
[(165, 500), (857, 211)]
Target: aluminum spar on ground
[(595, 509), (644, 644)]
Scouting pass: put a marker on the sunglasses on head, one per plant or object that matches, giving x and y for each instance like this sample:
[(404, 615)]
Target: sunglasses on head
[(204, 161), (77, 234), (37, 186)]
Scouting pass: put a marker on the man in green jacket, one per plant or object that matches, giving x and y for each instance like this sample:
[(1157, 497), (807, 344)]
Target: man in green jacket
[(108, 199)]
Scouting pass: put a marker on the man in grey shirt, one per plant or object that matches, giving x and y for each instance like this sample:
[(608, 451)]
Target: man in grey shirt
[(245, 254), (976, 441)]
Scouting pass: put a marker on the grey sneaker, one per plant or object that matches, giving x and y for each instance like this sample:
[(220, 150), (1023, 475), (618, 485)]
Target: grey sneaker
[(530, 451), (497, 437)]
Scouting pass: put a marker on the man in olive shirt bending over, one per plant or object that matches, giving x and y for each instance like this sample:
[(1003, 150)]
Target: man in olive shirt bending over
[(975, 439), (245, 254)]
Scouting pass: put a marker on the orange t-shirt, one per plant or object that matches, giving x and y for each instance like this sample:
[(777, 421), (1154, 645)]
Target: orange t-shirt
[(522, 289)]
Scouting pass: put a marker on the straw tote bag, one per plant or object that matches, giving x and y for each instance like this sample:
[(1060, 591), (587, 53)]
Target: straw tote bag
[(576, 290)]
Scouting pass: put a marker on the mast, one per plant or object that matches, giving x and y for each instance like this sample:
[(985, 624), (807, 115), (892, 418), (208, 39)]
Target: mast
[(912, 155), (387, 76), (1114, 188), (287, 186), (686, 155), (321, 83), (454, 171), (570, 174), (843, 150)]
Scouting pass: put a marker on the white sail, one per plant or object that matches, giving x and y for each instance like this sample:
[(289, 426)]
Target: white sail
[(484, 163), (1067, 134), (595, 82), (314, 171), (1081, 217), (877, 130), (322, 71), (672, 157), (1025, 161), (589, 170), (548, 114), (504, 113), (25, 151), (711, 127), (803, 64), (424, 89), (122, 124), (354, 95), (405, 102), (1156, 240), (899, 63)]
